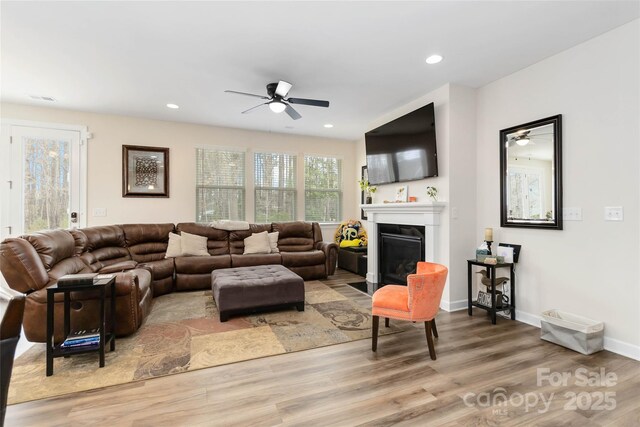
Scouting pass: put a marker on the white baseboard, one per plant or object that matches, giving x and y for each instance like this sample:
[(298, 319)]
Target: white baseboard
[(611, 344), (453, 305)]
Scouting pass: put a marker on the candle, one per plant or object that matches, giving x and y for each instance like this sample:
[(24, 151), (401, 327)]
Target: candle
[(488, 234)]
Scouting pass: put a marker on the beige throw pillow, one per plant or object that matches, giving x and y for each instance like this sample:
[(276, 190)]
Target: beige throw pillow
[(273, 242), (194, 245), (257, 243), (174, 248)]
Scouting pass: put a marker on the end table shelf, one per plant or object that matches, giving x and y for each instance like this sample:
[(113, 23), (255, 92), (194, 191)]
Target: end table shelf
[(491, 271), (56, 350)]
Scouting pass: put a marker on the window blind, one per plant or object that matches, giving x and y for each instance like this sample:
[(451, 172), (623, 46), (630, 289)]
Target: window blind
[(220, 184), (323, 188), (275, 187)]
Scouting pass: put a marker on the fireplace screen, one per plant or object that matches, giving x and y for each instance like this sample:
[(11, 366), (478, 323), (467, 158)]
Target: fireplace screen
[(399, 256)]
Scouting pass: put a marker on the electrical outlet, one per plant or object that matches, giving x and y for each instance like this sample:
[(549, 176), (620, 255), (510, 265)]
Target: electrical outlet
[(613, 213), (454, 213), (572, 214), (99, 211)]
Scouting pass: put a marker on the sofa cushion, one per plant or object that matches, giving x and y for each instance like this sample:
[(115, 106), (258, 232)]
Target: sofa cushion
[(174, 248), (294, 236), (52, 246), (160, 269), (106, 243), (147, 242), (301, 259), (236, 238), (217, 240), (257, 243), (201, 265), (193, 245), (255, 259), (273, 242)]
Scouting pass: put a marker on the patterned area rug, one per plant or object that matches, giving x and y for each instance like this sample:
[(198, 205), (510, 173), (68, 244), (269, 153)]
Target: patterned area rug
[(183, 333)]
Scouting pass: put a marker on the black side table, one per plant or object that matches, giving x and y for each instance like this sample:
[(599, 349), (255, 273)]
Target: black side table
[(54, 350), (491, 271)]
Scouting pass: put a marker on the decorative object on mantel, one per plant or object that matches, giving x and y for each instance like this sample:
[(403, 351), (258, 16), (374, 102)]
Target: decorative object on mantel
[(488, 238), (402, 194), (413, 199), (367, 188), (433, 193), (145, 171), (366, 191)]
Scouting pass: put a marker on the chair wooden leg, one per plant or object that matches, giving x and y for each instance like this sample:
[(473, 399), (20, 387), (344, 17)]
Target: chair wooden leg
[(432, 350), (374, 333), (386, 322), (433, 328)]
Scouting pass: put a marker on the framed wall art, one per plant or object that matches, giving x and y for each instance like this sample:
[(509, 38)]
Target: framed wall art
[(145, 171)]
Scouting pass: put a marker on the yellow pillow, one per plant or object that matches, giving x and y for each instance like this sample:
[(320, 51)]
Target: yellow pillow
[(350, 243)]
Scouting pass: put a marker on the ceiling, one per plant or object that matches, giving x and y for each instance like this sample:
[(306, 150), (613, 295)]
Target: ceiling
[(367, 58)]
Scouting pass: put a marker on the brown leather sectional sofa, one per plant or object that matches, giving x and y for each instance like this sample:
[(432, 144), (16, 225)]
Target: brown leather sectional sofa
[(136, 252)]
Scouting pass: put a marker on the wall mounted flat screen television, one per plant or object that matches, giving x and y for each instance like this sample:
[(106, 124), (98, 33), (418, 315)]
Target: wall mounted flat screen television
[(403, 149)]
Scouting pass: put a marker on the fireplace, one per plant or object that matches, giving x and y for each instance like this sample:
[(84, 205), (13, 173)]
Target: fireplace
[(422, 214), (401, 247)]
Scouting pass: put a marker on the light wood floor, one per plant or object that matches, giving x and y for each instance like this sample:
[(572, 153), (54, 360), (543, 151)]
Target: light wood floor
[(348, 384)]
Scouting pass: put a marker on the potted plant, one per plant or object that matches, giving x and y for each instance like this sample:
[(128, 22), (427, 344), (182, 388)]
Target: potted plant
[(433, 193), (368, 190)]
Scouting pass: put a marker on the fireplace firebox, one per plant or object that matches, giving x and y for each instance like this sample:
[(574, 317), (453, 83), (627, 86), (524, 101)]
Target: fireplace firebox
[(401, 248)]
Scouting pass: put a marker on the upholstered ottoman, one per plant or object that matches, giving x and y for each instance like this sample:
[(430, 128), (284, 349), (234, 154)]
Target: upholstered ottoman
[(243, 289)]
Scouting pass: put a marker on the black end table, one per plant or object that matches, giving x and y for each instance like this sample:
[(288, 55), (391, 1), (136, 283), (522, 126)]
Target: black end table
[(100, 285), (491, 271)]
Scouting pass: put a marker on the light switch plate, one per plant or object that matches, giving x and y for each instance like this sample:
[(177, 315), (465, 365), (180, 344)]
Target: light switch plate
[(572, 214), (99, 211), (613, 213)]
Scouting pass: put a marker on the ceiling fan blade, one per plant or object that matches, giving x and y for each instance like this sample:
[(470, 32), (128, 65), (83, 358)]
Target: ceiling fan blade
[(313, 102), (253, 108), (283, 88), (247, 94), (292, 113)]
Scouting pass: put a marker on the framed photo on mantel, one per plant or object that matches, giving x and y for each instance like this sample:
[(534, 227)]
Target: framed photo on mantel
[(145, 171)]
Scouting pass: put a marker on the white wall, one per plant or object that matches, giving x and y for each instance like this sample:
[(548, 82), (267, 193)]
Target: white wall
[(440, 98), (110, 132), (591, 267)]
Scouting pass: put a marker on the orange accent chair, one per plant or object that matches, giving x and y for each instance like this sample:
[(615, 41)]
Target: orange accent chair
[(419, 301)]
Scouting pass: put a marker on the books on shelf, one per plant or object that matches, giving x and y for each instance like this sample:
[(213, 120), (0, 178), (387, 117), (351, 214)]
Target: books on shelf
[(82, 338)]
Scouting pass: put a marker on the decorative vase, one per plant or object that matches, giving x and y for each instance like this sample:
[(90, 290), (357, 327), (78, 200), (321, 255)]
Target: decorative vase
[(368, 200)]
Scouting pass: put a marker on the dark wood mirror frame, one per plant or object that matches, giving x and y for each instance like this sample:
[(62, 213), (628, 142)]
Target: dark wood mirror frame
[(556, 224)]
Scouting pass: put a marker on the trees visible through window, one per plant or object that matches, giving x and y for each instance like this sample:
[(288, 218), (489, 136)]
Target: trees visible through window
[(220, 184), (275, 187), (323, 188)]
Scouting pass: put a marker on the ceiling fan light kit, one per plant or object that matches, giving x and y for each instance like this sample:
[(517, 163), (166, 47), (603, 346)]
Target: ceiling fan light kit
[(277, 101), (277, 106)]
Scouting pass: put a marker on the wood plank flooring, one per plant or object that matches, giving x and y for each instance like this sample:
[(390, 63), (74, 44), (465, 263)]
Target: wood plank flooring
[(348, 385)]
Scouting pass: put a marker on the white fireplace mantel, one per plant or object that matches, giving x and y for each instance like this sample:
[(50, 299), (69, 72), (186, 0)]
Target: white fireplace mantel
[(424, 214)]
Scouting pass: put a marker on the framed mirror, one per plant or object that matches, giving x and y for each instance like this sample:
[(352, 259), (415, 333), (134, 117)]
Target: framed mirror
[(531, 174)]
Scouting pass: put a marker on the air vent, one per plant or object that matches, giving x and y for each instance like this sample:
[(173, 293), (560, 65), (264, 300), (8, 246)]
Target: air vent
[(42, 98)]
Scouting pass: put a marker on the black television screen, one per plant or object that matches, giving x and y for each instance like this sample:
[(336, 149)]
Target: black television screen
[(403, 149)]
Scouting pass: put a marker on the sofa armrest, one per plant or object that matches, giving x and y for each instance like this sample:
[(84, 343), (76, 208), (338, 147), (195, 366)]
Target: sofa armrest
[(330, 250), (118, 267)]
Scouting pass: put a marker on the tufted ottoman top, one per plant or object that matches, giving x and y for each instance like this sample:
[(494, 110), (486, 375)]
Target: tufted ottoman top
[(243, 288)]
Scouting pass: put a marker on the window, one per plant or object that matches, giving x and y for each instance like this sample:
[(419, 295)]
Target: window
[(323, 188), (275, 187), (219, 184)]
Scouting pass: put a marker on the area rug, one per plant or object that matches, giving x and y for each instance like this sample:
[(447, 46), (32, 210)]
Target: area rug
[(183, 333)]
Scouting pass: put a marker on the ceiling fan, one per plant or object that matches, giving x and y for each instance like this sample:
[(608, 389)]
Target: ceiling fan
[(278, 102), (523, 138)]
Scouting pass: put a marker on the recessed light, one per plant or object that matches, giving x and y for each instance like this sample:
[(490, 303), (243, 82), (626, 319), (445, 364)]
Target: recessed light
[(434, 59), (328, 125), (173, 106)]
